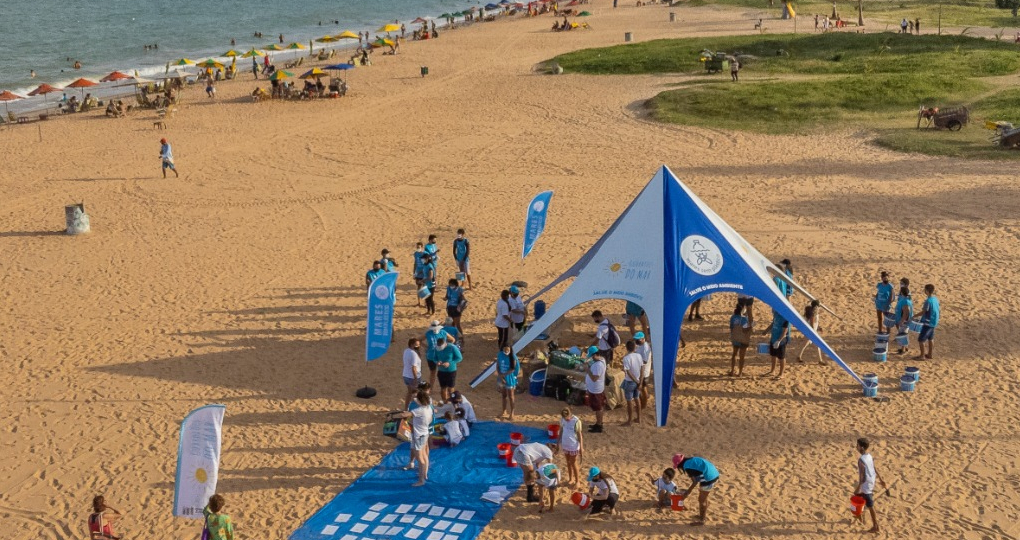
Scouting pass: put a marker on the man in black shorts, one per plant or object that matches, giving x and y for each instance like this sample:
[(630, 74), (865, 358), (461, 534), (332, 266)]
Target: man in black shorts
[(779, 337)]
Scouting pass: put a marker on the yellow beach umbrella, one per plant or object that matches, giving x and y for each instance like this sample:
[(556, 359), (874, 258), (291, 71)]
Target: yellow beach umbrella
[(231, 53), (210, 63), (184, 62), (253, 52), (273, 47), (280, 74), (327, 39), (296, 46), (314, 73), (389, 28), (347, 34)]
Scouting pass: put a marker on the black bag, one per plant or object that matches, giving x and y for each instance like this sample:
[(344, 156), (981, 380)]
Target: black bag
[(552, 384), (564, 389), (366, 392), (612, 336)]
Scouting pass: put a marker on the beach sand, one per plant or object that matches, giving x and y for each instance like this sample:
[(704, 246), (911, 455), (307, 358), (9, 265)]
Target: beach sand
[(242, 283)]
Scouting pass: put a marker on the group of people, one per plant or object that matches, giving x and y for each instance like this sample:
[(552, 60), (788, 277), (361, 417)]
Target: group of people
[(908, 26), (900, 314), (216, 525)]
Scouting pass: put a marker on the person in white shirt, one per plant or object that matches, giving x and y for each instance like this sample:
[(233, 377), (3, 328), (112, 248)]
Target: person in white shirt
[(633, 365), (571, 443), (517, 311), (529, 457), (453, 434), (412, 369), (664, 487), (595, 386), (465, 428), (462, 402), (603, 491), (866, 477), (503, 320), (602, 335), (421, 420), (645, 350)]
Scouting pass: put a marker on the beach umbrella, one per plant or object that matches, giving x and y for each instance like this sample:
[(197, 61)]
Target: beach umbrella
[(584, 14), (327, 39), (273, 47), (347, 34), (184, 62), (382, 42), (82, 84), (231, 53), (458, 14), (7, 96), (314, 73), (210, 63), (280, 75), (295, 46), (43, 90), (253, 52), (389, 28), (419, 20), (491, 7), (446, 15), (115, 76)]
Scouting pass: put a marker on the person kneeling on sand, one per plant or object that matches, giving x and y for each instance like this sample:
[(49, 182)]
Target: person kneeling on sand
[(603, 492)]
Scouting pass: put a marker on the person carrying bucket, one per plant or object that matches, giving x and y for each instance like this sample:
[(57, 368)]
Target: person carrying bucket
[(866, 478), (883, 300), (703, 475)]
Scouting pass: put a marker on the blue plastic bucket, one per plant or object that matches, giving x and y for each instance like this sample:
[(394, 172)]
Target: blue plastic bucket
[(913, 372), (907, 383), (884, 345), (914, 326), (763, 348), (424, 292), (537, 383), (461, 276), (539, 309), (902, 339), (870, 389), (880, 355), (882, 337), (870, 377)]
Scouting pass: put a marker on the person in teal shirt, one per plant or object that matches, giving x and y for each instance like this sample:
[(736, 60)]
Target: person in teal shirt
[(779, 337), (455, 303), (419, 267), (883, 300), (433, 337), (429, 269), (929, 320), (904, 312), (375, 272), (447, 358), (509, 368), (453, 332), (432, 249)]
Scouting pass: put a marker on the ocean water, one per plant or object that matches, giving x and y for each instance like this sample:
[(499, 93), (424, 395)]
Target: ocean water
[(49, 35)]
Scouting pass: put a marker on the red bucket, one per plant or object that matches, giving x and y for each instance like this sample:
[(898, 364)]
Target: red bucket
[(516, 438), (857, 505), (554, 431), (510, 461), (582, 500), (504, 449), (676, 503)]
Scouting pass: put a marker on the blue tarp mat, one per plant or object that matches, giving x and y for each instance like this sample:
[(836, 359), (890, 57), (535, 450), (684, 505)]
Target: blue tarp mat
[(382, 504)]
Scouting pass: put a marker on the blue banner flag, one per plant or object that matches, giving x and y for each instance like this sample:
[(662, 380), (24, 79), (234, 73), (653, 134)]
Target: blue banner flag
[(535, 224), (381, 299)]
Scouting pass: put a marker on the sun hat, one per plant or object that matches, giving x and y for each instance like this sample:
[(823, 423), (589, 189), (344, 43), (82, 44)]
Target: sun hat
[(639, 335), (592, 473), (435, 327), (677, 460), (514, 289)]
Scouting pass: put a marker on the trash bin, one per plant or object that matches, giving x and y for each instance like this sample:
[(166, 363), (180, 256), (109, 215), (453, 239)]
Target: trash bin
[(627, 37)]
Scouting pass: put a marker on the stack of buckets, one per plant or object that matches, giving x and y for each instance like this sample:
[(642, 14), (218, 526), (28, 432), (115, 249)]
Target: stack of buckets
[(870, 384), (909, 379), (506, 450), (881, 351)]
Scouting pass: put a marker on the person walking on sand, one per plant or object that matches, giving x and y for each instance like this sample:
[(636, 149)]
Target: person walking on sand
[(811, 316), (740, 337), (100, 521), (462, 254), (508, 368), (503, 320), (866, 478), (633, 364), (217, 523), (929, 320), (883, 300), (779, 337), (166, 155), (735, 69), (704, 475), (571, 442)]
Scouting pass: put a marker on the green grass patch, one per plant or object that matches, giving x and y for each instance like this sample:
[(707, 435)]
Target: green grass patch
[(815, 54), (972, 141), (797, 106)]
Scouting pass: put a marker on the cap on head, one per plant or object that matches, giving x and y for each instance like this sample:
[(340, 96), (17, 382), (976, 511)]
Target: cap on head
[(639, 335), (514, 289), (593, 472), (456, 397), (592, 350), (435, 325), (162, 141), (677, 460)]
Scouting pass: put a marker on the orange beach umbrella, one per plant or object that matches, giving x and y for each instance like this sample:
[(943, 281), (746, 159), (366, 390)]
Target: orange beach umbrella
[(7, 96), (115, 76)]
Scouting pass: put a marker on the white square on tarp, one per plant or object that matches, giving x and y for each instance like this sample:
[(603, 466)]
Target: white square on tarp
[(451, 513), (378, 507), (370, 516), (442, 525), (349, 537), (359, 528), (394, 531), (330, 529), (458, 528), (381, 529), (435, 536), (403, 509), (409, 518), (343, 518), (422, 507), (451, 537), (390, 518), (423, 522), (413, 534), (467, 514), (436, 511)]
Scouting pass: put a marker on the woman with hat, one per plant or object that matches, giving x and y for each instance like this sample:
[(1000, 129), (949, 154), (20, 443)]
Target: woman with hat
[(603, 491), (703, 474)]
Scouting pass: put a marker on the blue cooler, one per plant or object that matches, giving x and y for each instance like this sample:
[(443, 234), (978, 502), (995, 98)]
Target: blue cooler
[(539, 309), (537, 383)]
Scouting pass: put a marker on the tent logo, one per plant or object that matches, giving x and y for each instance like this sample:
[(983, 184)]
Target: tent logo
[(382, 292), (701, 255)]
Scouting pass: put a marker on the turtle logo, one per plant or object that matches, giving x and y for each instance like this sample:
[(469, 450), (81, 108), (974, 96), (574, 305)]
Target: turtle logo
[(701, 255), (382, 292)]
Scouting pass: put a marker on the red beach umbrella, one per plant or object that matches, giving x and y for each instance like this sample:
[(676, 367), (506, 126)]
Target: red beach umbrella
[(44, 89), (115, 76), (7, 96)]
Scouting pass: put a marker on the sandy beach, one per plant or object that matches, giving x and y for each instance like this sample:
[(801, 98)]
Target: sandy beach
[(242, 283)]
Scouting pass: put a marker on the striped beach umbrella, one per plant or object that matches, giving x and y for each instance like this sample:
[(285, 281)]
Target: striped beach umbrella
[(347, 34)]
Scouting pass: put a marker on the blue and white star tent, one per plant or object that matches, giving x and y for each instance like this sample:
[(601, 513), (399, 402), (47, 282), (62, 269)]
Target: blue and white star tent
[(665, 251)]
